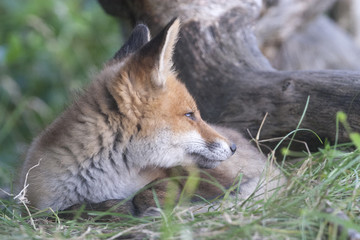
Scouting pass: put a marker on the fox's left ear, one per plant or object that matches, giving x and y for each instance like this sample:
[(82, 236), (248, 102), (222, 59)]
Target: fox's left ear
[(138, 38), (159, 51)]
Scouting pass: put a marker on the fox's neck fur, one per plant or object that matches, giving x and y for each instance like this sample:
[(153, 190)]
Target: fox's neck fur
[(96, 137)]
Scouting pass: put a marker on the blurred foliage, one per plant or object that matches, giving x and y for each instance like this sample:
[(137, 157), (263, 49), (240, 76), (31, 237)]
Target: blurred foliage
[(48, 49)]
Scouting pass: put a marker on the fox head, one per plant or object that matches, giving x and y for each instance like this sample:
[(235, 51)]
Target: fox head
[(159, 118)]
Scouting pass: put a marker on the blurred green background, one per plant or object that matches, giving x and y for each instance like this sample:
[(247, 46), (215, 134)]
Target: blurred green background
[(48, 50)]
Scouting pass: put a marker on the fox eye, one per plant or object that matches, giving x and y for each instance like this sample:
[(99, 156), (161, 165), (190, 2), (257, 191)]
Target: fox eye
[(190, 115)]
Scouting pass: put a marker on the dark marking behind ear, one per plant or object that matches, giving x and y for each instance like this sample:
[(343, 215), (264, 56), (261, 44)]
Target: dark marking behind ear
[(139, 37), (138, 126), (125, 160)]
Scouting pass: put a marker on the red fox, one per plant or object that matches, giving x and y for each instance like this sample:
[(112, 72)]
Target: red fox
[(134, 118)]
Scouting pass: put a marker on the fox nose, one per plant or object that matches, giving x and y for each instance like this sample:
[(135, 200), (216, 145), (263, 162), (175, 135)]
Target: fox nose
[(233, 148)]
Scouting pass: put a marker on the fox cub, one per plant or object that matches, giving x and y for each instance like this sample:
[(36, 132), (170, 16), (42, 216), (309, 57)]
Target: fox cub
[(133, 119), (132, 123)]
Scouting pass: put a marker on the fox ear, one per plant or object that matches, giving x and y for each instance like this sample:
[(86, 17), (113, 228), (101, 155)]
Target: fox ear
[(138, 38), (159, 52)]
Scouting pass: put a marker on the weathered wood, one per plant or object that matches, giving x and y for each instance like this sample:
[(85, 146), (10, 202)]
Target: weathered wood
[(297, 35), (286, 18), (320, 45), (233, 83), (347, 15), (284, 94)]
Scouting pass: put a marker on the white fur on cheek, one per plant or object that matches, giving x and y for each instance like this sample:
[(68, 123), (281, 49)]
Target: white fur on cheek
[(166, 149), (217, 150)]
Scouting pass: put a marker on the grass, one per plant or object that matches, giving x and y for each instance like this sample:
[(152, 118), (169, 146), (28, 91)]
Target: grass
[(321, 195)]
